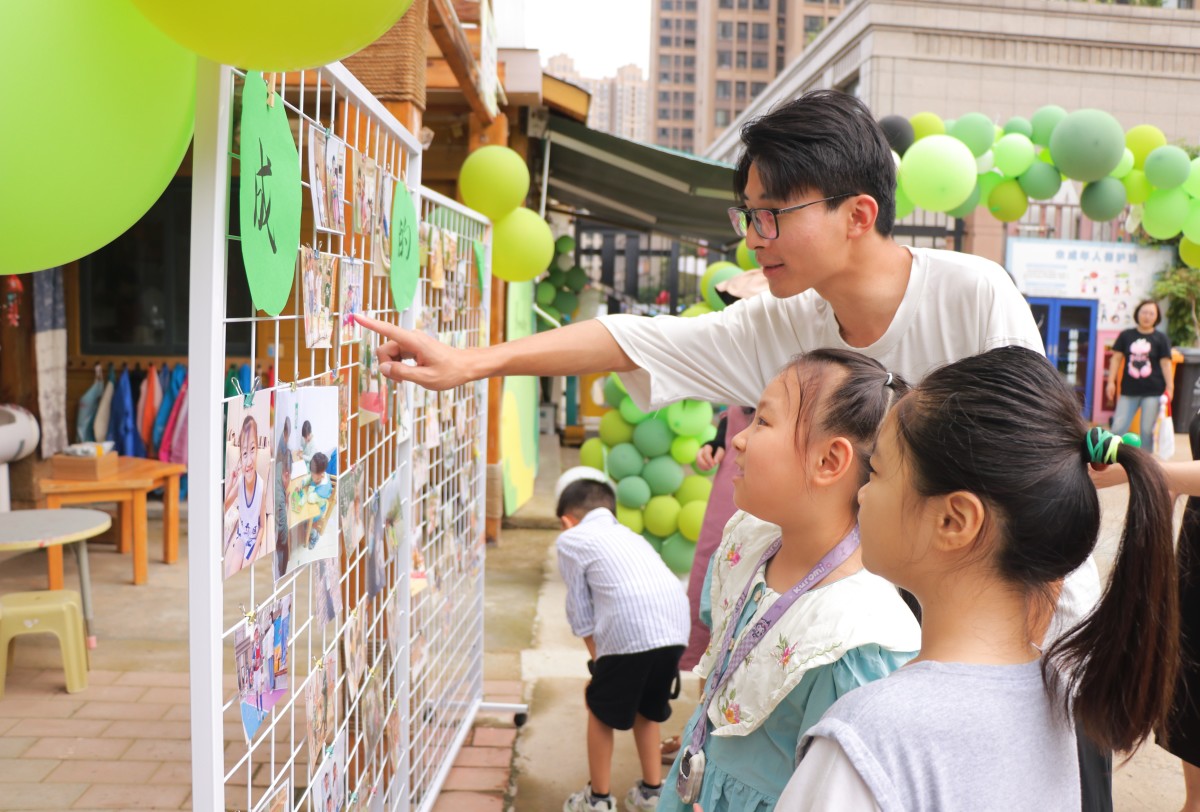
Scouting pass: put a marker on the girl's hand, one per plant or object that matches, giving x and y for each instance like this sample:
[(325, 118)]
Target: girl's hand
[(706, 459)]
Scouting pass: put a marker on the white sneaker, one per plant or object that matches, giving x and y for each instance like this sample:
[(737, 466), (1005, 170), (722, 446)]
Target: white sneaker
[(641, 799), (582, 802)]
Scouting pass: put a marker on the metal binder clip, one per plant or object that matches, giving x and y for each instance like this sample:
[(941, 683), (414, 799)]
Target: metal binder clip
[(247, 397)]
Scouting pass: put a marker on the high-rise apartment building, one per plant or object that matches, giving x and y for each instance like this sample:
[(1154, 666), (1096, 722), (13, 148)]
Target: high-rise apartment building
[(709, 58), (619, 104)]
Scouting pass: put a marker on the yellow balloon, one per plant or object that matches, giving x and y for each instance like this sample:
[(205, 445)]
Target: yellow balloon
[(1189, 252)]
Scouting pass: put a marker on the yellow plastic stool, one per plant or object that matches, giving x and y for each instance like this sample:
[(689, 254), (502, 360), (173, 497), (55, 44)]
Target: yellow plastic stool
[(55, 611)]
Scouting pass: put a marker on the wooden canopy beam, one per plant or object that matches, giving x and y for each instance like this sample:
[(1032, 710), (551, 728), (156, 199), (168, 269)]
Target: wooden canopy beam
[(452, 41)]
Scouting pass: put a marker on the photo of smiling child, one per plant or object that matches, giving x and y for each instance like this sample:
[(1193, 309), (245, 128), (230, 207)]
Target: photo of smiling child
[(249, 532), (351, 300), (311, 514)]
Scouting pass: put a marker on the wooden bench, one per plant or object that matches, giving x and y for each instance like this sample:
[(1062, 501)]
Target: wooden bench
[(135, 478)]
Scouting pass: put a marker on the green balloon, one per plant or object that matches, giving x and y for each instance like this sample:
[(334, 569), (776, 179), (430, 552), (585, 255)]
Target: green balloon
[(545, 293), (576, 279), (904, 204), (708, 435), (522, 244), (556, 277), (938, 172), (678, 554), (566, 302), (746, 259), (1137, 187), (592, 453), (1044, 122), (986, 183), (709, 474), (653, 437), (663, 475), (695, 488), (1087, 145), (1191, 224), (1165, 212), (1123, 168), (614, 390), (630, 411), (1022, 126), (551, 312), (1014, 154), (691, 519), (1103, 200), (1041, 181), (1167, 167), (1008, 202), (976, 131), (662, 514), (625, 460), (710, 289), (565, 244), (631, 518), (689, 417), (684, 450), (1189, 252), (698, 309), (633, 492), (653, 540), (614, 429), (1142, 140), (98, 107), (494, 180), (708, 275), (925, 125), (1192, 184), (968, 205)]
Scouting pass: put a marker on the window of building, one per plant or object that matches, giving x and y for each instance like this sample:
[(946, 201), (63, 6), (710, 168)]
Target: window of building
[(759, 61), (664, 112), (689, 5), (721, 119), (812, 27), (689, 78), (666, 5), (666, 41), (689, 114), (741, 59), (724, 30), (762, 31), (743, 3), (664, 76), (849, 85), (689, 61), (725, 4), (756, 88), (723, 89), (664, 24), (686, 132), (663, 133), (815, 2), (664, 60), (743, 31), (724, 59), (689, 42), (689, 98), (689, 26), (664, 96), (765, 5), (740, 89)]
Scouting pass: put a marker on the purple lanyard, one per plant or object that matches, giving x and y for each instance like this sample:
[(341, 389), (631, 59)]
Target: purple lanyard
[(831, 561)]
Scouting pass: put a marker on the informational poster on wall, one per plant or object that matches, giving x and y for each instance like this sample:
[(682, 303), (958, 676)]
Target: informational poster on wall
[(1118, 275)]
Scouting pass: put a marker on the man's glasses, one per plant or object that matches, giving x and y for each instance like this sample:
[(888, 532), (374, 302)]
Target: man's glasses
[(765, 220)]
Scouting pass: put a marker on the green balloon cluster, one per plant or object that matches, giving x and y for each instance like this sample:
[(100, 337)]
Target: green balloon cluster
[(953, 166), (714, 275), (558, 292), (659, 492)]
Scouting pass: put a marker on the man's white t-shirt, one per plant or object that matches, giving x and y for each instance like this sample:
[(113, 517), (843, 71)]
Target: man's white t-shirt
[(956, 305)]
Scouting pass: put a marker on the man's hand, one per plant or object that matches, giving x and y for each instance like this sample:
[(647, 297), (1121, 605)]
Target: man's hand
[(437, 366), (706, 459), (1110, 390)]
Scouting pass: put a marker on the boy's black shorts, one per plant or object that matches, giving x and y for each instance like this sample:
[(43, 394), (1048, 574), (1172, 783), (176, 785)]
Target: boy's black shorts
[(624, 685)]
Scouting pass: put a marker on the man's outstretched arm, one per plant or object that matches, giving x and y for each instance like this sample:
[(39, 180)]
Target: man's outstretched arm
[(577, 349)]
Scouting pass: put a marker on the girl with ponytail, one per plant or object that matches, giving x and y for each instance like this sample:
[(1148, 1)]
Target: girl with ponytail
[(979, 503)]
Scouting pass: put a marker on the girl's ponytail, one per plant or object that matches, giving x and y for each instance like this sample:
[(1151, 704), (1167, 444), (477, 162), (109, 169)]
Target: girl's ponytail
[(1120, 662)]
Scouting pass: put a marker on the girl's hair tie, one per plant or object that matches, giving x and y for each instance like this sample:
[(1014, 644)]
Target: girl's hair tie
[(1100, 446), (888, 382)]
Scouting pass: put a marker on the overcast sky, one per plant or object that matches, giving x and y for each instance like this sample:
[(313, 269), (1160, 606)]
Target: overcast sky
[(600, 35)]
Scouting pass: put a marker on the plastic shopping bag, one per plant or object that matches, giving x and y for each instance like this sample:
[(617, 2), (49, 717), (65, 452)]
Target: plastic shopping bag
[(1164, 431)]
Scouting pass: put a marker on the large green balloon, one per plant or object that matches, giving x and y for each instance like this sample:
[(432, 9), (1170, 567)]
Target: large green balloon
[(695, 488), (904, 204), (614, 429), (1008, 202), (662, 515), (625, 460), (576, 279), (1044, 121), (1165, 212), (653, 540), (1087, 145), (1191, 225), (691, 519), (986, 183), (1142, 140), (566, 302), (1103, 200), (698, 309), (925, 125), (556, 277), (684, 450), (592, 453), (653, 437), (689, 417), (565, 244), (614, 391), (630, 411), (1041, 181), (976, 131), (494, 181), (545, 293), (271, 35), (727, 271), (967, 206), (1016, 124), (746, 259), (1013, 154), (1192, 184), (633, 492), (631, 518), (1167, 167), (938, 172), (663, 475), (522, 246), (678, 553), (98, 110), (1137, 188), (1124, 166), (1189, 252)]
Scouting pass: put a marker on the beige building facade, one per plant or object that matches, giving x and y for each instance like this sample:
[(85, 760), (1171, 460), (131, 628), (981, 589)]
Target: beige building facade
[(620, 104)]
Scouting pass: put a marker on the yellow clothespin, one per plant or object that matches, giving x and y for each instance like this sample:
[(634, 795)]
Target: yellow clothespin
[(249, 615), (271, 79)]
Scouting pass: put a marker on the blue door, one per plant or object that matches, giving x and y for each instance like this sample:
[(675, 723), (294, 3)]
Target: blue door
[(1068, 328)]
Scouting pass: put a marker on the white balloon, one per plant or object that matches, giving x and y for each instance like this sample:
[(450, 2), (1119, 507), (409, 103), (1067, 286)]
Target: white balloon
[(985, 162)]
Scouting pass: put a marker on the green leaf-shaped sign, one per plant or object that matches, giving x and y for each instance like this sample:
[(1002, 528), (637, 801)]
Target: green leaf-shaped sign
[(269, 197), (406, 265)]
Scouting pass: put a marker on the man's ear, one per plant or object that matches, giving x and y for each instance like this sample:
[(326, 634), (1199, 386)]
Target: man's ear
[(862, 211)]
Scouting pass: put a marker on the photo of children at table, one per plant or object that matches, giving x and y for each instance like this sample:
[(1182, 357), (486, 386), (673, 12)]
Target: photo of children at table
[(310, 503)]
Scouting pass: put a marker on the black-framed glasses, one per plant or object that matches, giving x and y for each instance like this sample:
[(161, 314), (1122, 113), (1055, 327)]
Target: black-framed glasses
[(765, 222)]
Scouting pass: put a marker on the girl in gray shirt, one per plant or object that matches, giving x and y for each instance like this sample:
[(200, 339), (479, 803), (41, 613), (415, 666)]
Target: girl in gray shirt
[(979, 503)]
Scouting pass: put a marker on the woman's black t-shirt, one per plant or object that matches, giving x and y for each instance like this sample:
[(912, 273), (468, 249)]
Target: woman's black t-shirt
[(1143, 375)]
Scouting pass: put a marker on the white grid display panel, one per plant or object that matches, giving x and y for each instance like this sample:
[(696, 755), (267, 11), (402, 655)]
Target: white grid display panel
[(228, 772)]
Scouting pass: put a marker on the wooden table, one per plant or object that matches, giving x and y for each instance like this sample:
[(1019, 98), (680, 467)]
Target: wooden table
[(134, 479), (22, 530)]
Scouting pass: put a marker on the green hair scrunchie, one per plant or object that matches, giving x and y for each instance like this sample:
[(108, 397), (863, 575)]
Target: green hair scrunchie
[(1101, 445)]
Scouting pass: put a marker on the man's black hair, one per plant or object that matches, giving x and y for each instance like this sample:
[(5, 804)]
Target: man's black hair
[(824, 143), (585, 495)]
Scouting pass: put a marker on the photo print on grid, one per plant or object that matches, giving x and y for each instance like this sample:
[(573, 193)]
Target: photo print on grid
[(318, 179), (350, 276), (329, 784), (377, 547), (278, 799), (321, 699), (248, 529), (263, 663), (318, 276), (335, 175), (381, 232), (310, 413), (354, 649), (366, 187), (328, 589), (372, 390), (370, 710)]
